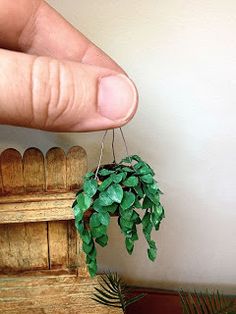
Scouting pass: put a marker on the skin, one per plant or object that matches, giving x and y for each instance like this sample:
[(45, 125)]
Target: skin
[(53, 78)]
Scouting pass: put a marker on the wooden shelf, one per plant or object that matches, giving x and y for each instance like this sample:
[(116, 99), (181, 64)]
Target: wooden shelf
[(50, 294), (36, 207)]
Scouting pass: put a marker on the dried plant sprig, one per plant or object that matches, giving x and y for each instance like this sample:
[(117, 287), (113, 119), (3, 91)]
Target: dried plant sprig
[(114, 292), (207, 303)]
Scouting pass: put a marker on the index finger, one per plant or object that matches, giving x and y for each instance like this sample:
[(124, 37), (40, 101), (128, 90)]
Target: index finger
[(32, 26)]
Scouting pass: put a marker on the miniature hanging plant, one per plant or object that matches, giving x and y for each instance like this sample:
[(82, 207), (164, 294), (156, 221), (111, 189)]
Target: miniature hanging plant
[(118, 189)]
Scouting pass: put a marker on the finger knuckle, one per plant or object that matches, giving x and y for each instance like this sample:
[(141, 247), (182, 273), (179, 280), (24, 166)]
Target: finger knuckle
[(53, 92)]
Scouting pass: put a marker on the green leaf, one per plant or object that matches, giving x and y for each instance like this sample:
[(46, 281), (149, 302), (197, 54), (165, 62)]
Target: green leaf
[(84, 201), (126, 230), (105, 184), (135, 217), (159, 211), (146, 220), (134, 236), (144, 170), (104, 199), (99, 231), (152, 254), (75, 201), (137, 204), (105, 172), (155, 220), (94, 221), (90, 187), (102, 240), (97, 205), (89, 175), (131, 181), (86, 236), (126, 213), (152, 244), (115, 192), (139, 165), (92, 267), (147, 232), (127, 169), (126, 223), (129, 245), (152, 172), (104, 218), (147, 203), (117, 178), (153, 187), (128, 200), (157, 225), (88, 259), (136, 158), (79, 226), (127, 159), (78, 213), (111, 208), (147, 178), (155, 198), (139, 191), (87, 248), (93, 254)]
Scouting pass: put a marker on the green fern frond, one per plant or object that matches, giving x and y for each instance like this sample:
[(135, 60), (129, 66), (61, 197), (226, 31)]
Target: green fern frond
[(114, 292), (208, 303)]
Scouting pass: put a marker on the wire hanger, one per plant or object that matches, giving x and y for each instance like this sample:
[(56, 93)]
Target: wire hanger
[(112, 147)]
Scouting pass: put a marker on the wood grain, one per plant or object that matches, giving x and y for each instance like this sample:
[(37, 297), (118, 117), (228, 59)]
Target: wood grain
[(23, 247), (55, 170), (12, 172), (72, 247), (1, 186), (46, 196), (33, 170), (33, 208), (76, 167), (38, 240), (58, 244), (34, 181), (54, 294)]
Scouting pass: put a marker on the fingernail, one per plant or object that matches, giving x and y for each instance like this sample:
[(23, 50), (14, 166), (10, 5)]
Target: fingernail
[(117, 97)]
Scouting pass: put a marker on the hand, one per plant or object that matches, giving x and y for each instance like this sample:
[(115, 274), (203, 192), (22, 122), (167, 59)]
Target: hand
[(53, 78)]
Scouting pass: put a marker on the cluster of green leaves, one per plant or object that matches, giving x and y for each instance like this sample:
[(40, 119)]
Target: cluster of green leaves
[(207, 303), (119, 189)]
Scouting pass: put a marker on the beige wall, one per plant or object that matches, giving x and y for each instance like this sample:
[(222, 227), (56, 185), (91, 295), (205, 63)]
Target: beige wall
[(182, 56)]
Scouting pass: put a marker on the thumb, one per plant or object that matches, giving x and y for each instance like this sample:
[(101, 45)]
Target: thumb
[(57, 95)]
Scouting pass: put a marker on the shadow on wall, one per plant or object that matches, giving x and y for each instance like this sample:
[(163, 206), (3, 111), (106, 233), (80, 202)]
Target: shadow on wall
[(23, 138)]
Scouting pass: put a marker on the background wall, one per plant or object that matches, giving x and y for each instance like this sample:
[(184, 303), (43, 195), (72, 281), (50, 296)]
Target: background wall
[(182, 56)]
